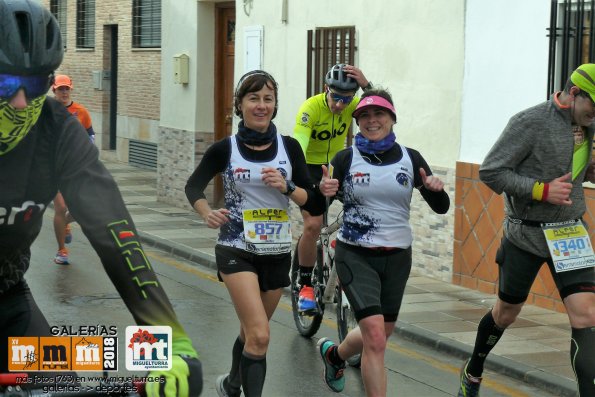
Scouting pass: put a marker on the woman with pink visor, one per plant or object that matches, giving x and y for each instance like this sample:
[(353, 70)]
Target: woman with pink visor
[(373, 254)]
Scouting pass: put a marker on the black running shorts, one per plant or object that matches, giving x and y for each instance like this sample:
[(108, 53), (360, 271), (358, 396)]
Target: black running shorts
[(272, 270), (518, 270)]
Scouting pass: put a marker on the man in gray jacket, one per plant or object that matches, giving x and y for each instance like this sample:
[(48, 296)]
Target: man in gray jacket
[(540, 162)]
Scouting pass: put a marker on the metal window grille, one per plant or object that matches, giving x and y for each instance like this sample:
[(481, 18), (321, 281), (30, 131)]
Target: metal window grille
[(571, 39), (58, 9), (146, 23), (326, 47), (85, 23)]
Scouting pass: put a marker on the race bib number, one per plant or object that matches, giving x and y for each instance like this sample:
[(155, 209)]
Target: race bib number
[(267, 231), (569, 245)]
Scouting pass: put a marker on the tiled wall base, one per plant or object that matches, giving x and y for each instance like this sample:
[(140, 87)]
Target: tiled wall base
[(479, 213), (179, 152)]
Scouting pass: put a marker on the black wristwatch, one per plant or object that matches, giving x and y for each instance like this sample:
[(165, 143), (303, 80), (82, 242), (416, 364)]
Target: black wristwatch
[(368, 87), (290, 188)]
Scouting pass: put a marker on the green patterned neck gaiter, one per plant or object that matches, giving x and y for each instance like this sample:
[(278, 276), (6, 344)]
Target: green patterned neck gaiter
[(15, 124)]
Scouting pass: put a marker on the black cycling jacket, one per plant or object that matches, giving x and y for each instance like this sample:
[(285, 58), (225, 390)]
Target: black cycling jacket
[(57, 155)]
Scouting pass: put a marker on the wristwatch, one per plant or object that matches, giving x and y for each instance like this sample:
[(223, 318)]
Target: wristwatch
[(368, 87), (290, 187)]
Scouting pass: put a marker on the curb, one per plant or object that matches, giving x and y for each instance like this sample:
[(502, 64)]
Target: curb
[(180, 250), (549, 382)]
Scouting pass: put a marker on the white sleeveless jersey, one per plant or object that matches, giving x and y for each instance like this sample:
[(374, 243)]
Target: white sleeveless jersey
[(377, 202), (264, 209)]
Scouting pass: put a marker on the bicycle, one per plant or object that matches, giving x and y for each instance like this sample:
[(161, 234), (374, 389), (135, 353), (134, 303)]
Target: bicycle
[(327, 289)]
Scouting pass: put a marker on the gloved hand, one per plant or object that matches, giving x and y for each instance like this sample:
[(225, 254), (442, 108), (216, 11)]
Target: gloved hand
[(184, 379)]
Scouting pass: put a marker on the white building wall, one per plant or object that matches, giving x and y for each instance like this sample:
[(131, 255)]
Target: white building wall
[(188, 28), (413, 48), (506, 58)]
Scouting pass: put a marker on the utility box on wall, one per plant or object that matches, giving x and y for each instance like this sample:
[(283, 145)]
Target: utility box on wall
[(99, 76), (181, 66)]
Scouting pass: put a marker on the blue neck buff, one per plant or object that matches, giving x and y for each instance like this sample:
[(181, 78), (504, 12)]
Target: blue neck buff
[(367, 146), (251, 137)]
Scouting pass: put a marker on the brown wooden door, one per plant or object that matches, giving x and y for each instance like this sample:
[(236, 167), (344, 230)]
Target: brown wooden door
[(225, 25)]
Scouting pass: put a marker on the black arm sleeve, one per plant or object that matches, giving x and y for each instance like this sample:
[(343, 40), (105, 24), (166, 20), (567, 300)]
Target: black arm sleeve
[(439, 202), (341, 164), (315, 204), (214, 161), (95, 202)]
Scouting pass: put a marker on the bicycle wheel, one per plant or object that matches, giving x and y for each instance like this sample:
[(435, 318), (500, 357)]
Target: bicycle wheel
[(307, 323), (345, 323)]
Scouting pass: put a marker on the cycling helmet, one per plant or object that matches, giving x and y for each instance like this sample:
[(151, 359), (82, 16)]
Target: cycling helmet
[(337, 78), (30, 41)]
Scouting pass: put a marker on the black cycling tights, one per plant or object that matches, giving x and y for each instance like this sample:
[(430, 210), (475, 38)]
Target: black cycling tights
[(582, 357), (20, 317)]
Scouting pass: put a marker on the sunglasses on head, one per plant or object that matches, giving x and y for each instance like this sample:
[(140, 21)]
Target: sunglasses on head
[(34, 86), (340, 98)]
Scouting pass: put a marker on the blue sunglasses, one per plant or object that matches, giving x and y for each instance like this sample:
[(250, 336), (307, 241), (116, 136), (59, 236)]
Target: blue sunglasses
[(346, 99), (34, 86)]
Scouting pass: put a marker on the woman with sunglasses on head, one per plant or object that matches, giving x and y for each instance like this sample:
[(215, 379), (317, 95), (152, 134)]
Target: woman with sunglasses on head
[(322, 126), (262, 170), (373, 253), (44, 149)]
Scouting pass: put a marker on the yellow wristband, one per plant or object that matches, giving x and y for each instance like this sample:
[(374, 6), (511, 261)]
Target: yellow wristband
[(538, 191)]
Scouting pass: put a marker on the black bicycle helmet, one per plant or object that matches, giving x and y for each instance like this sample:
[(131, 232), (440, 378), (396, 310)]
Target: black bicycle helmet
[(337, 78), (30, 41)]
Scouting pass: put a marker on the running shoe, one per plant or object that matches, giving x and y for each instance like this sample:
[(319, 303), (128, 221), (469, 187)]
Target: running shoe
[(333, 374), (469, 384), (61, 257), (222, 391), (68, 235), (306, 301)]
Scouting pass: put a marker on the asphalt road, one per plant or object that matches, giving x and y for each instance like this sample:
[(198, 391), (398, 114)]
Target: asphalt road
[(81, 294)]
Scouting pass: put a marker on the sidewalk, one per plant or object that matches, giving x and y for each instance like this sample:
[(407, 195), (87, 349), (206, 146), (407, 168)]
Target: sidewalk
[(444, 316)]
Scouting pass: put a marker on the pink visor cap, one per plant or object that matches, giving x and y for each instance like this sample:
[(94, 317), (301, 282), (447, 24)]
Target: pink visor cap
[(374, 100)]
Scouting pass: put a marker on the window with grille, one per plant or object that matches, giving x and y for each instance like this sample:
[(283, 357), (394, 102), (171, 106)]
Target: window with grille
[(571, 40), (85, 23), (326, 47), (146, 23), (58, 9)]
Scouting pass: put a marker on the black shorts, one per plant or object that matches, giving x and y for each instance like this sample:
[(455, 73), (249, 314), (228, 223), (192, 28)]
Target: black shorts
[(374, 281), (518, 270), (319, 207), (272, 270)]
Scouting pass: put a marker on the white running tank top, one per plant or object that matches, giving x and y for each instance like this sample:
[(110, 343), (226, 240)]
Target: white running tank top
[(377, 202), (259, 215)]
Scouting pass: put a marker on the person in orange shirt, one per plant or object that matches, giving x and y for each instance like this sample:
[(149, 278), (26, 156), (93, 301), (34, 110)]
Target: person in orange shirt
[(62, 89)]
